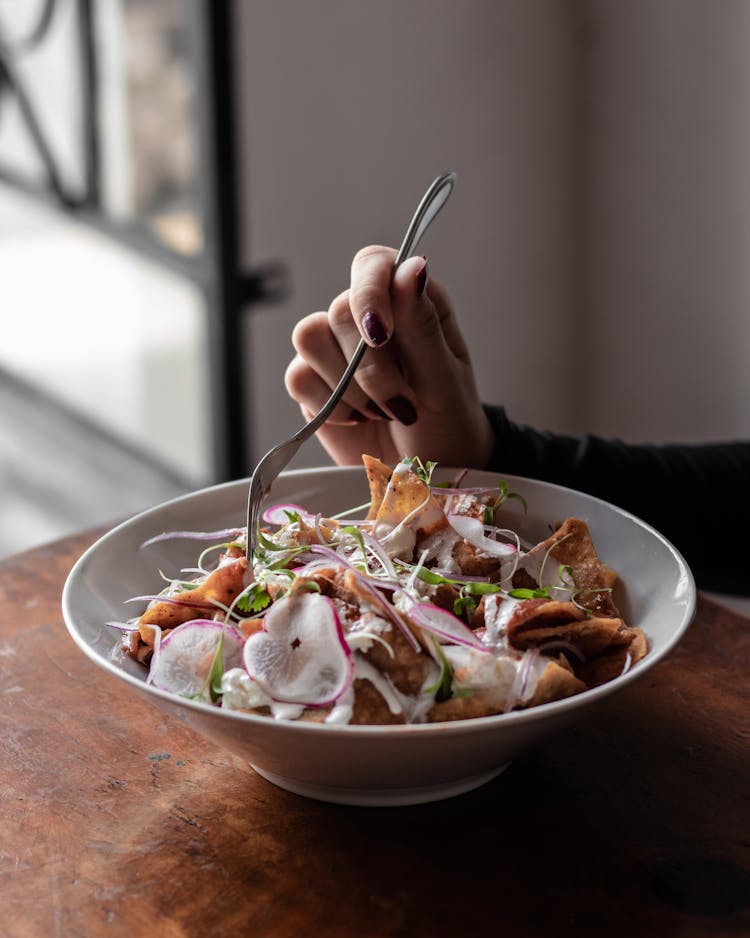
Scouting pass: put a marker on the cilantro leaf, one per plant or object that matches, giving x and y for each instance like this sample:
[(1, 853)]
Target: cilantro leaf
[(254, 599)]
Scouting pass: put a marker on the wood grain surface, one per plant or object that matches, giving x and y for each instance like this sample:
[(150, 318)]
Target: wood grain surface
[(115, 820)]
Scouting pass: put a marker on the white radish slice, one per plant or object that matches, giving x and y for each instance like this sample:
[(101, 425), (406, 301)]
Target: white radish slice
[(301, 656), (472, 530), (183, 661), (444, 625)]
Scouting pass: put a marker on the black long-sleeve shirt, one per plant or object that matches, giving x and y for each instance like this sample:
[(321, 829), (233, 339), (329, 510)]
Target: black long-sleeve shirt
[(698, 496)]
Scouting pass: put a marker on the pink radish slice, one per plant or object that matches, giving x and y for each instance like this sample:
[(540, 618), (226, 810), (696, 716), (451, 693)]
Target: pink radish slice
[(472, 530), (301, 656), (184, 658)]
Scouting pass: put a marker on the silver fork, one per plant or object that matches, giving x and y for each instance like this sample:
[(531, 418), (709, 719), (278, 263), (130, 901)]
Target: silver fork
[(280, 456)]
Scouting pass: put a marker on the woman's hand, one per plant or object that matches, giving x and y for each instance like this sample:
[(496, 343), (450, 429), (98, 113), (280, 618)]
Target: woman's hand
[(414, 393)]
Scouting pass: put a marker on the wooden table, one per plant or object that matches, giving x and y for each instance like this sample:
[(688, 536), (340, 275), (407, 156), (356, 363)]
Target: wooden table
[(119, 821)]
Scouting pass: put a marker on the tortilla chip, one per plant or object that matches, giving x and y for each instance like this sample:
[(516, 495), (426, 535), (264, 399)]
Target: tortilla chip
[(555, 683), (479, 704), (407, 496), (223, 585), (571, 546), (378, 476), (537, 621), (611, 664)]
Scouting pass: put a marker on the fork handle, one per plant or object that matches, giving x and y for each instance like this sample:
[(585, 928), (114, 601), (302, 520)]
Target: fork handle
[(432, 201), (327, 409)]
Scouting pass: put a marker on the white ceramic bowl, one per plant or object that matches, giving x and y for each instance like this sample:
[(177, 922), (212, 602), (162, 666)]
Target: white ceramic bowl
[(372, 765)]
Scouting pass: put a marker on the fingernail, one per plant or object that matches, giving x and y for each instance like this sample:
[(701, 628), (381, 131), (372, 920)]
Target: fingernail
[(403, 410), (376, 411), (374, 328), (357, 417), (421, 281)]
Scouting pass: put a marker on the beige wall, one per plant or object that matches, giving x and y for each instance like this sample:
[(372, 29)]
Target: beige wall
[(595, 244)]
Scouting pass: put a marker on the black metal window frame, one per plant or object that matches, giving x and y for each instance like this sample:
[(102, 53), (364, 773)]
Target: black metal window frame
[(228, 290)]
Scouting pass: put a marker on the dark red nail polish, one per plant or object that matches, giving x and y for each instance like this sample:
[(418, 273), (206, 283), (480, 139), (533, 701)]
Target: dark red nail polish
[(403, 410), (374, 328), (421, 281), (376, 411), (357, 417)]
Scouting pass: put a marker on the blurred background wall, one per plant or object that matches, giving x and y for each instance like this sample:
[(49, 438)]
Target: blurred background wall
[(597, 243), (595, 247)]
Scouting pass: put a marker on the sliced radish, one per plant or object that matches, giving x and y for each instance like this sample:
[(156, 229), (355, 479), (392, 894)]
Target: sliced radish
[(444, 625), (472, 530), (185, 657), (301, 656), (367, 584)]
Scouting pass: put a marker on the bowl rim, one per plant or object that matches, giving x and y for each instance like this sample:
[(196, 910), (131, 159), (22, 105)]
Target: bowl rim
[(541, 712)]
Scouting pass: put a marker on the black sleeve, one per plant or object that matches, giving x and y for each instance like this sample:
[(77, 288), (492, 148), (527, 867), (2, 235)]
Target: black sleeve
[(695, 495)]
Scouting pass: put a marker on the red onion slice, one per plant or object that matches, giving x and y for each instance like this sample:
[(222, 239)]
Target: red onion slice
[(560, 644), (125, 626), (301, 656), (276, 514), (366, 582), (194, 535), (445, 625), (185, 656), (472, 490), (174, 601), (472, 530)]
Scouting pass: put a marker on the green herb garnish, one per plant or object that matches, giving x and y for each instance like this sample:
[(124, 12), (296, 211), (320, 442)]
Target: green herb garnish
[(254, 599)]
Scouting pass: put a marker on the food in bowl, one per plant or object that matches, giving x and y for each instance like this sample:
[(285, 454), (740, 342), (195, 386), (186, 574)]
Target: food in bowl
[(427, 609)]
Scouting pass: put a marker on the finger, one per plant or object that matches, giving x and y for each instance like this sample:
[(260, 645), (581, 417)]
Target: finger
[(305, 386), (379, 380), (423, 326), (317, 344), (369, 294)]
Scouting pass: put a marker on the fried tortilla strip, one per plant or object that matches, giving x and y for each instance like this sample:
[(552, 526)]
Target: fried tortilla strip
[(223, 585), (555, 683), (405, 667), (611, 664), (378, 476), (571, 546), (537, 621), (370, 708), (408, 499), (479, 704)]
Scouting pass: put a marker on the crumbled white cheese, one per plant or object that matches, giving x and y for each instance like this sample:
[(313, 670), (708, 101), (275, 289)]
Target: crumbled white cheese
[(241, 692)]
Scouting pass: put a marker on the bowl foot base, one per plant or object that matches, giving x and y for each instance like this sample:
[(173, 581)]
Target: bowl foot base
[(381, 797)]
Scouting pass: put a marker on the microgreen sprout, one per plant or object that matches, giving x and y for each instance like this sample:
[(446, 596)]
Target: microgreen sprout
[(522, 592), (356, 534), (184, 585), (351, 511), (217, 671), (443, 686), (212, 684), (209, 550), (469, 597), (504, 495), (310, 586), (422, 470)]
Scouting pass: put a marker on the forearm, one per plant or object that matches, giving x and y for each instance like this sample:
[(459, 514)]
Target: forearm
[(696, 495)]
